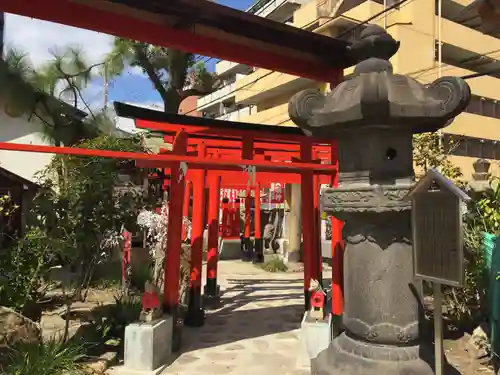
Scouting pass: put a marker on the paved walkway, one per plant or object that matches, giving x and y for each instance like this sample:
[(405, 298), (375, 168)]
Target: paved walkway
[(255, 331)]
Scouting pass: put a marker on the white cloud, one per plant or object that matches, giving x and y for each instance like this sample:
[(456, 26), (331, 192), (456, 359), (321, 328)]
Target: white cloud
[(38, 38)]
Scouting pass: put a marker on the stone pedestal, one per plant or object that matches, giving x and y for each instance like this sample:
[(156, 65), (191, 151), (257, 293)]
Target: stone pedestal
[(315, 337), (381, 317), (148, 347)]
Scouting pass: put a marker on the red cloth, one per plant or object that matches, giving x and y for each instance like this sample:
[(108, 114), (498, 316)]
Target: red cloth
[(150, 301)]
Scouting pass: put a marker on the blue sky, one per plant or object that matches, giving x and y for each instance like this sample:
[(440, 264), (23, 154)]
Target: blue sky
[(136, 88)]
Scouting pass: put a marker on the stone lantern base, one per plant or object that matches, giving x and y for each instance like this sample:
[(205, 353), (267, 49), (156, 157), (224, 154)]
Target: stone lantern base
[(347, 356)]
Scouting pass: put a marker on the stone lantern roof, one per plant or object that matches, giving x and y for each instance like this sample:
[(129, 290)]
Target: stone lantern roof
[(376, 97)]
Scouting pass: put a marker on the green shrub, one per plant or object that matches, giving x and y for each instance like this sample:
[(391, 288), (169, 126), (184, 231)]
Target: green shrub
[(110, 329), (49, 358), (22, 268), (274, 264)]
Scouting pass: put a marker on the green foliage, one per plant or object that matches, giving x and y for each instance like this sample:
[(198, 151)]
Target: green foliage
[(110, 329), (174, 74), (429, 152), (274, 264), (7, 208), (85, 210), (52, 94), (50, 358), (23, 267), (468, 305)]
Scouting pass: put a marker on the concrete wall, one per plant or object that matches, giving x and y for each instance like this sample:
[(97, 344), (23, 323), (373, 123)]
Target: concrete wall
[(20, 130)]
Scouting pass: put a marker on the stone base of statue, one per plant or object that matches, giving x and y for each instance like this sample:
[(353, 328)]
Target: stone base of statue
[(347, 356), (148, 347), (315, 337)]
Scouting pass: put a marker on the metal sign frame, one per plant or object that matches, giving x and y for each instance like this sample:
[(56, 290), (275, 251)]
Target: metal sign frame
[(447, 187), (460, 251)]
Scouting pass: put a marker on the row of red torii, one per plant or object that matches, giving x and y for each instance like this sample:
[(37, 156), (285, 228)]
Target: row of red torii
[(223, 156)]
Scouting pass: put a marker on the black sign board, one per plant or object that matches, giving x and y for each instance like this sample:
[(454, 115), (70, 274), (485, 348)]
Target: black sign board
[(437, 230)]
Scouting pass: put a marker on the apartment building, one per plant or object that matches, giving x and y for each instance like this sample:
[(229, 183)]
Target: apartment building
[(223, 103), (437, 38)]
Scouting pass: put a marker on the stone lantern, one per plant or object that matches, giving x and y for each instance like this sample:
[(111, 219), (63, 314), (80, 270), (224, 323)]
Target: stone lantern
[(374, 115), (481, 176)]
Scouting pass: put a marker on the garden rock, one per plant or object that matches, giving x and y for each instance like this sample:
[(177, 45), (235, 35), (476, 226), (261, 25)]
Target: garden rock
[(478, 346), (16, 328)]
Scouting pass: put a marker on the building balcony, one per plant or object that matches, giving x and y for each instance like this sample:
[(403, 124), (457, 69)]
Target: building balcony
[(261, 85), (277, 116), (279, 10), (226, 68), (237, 115), (214, 99)]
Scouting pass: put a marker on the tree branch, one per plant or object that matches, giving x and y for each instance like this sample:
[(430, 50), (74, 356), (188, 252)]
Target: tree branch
[(150, 71)]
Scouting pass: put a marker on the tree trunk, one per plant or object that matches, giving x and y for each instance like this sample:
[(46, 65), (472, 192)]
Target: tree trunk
[(172, 101)]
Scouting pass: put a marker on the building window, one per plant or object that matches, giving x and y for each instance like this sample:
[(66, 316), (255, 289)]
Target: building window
[(459, 145)]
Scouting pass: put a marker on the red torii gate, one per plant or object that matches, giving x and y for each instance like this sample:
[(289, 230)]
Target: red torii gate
[(221, 142), (205, 28)]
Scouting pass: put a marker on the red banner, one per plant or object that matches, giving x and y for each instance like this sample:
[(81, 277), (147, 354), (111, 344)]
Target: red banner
[(276, 193), (232, 194)]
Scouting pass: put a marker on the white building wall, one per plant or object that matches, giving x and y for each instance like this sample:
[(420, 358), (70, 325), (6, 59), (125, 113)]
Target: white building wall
[(20, 130)]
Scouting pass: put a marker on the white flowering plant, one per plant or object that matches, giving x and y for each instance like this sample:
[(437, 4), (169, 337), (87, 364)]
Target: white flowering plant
[(156, 226)]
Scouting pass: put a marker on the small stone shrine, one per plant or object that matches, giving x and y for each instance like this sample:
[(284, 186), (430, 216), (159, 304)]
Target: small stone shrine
[(374, 115), (481, 176)]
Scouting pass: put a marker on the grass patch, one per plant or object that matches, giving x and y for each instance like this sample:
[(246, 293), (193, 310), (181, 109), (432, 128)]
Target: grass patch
[(50, 358), (274, 264)]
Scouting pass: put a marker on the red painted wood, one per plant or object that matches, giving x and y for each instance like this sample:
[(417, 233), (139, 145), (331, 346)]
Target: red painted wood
[(235, 133), (198, 226), (318, 258), (213, 226), (274, 145), (167, 159), (307, 193), (174, 230), (88, 17), (257, 219), (337, 291), (247, 154)]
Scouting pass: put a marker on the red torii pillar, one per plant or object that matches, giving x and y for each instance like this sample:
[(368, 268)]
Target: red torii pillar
[(247, 153), (317, 257), (308, 232), (337, 256), (258, 246), (196, 315), (212, 290), (174, 228)]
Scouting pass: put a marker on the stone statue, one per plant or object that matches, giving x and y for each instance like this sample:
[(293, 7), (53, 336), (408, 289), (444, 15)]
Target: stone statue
[(269, 234), (374, 115)]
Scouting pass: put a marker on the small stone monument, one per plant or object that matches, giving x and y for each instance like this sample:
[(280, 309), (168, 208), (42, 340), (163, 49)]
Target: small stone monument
[(316, 328), (374, 115), (151, 306), (481, 176), (148, 343)]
